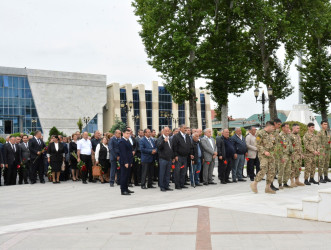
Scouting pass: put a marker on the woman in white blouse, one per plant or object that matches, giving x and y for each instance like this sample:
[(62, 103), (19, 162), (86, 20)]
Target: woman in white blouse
[(102, 156), (55, 155)]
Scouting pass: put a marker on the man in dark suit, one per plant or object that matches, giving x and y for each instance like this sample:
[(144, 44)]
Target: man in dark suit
[(1, 160), (134, 148), (182, 148), (148, 151), (36, 145), (25, 156), (12, 159), (114, 151), (126, 159), (221, 158), (137, 164), (166, 158)]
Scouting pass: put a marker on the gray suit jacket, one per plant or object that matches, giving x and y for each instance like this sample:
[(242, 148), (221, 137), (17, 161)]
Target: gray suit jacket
[(208, 150), (25, 152)]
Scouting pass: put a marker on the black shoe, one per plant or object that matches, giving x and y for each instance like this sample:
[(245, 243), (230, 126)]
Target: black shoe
[(143, 187), (169, 189), (241, 180), (228, 181), (198, 185), (234, 181), (93, 181), (286, 186), (151, 186), (192, 185), (111, 184), (223, 182), (244, 176), (125, 193), (42, 182), (205, 183), (186, 184), (212, 183), (273, 187), (184, 187), (54, 182), (322, 180), (131, 192), (33, 182), (307, 183), (178, 188), (275, 178), (84, 182), (312, 180), (252, 179), (130, 185), (163, 190), (327, 179), (26, 182)]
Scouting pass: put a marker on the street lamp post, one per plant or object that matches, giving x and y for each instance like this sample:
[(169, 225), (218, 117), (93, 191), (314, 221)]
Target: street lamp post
[(167, 115), (229, 119), (263, 100), (175, 120), (34, 122), (86, 121), (135, 119), (127, 107)]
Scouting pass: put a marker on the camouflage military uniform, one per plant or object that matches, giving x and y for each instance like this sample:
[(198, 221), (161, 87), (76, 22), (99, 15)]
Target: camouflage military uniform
[(296, 155), (284, 170), (324, 149), (310, 143), (277, 152), (266, 142)]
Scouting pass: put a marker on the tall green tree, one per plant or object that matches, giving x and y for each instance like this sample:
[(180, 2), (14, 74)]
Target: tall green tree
[(171, 33), (224, 54), (316, 61)]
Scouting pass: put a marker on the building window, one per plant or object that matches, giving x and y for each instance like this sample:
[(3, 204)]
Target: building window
[(123, 99), (165, 108), (149, 108), (136, 108), (18, 112), (181, 114), (203, 110)]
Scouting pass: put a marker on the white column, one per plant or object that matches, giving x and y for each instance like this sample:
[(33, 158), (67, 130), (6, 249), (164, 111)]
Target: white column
[(155, 105), (142, 106)]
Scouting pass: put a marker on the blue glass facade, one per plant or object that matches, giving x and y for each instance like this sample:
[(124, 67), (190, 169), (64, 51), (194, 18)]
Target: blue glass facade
[(203, 110), (92, 125), (181, 114), (149, 108), (136, 108), (18, 112), (165, 108), (123, 99)]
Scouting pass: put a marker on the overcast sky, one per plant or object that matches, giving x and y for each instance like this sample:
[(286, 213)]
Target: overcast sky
[(99, 36)]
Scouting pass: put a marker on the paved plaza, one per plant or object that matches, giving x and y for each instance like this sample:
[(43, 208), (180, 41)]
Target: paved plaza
[(94, 216)]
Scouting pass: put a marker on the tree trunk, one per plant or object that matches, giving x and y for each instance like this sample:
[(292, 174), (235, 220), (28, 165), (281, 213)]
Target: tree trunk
[(272, 108), (225, 122), (192, 100)]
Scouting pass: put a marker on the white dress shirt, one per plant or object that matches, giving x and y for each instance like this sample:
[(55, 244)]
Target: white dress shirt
[(97, 151), (211, 142), (85, 146)]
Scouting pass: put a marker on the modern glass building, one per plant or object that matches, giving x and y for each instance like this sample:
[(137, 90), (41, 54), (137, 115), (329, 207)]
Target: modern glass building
[(155, 108), (32, 99)]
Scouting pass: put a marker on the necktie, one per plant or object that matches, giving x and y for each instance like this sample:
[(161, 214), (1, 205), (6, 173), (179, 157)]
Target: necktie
[(14, 148), (149, 140), (38, 141)]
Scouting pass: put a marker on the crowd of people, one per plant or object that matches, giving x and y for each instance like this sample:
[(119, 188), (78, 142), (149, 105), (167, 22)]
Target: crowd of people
[(183, 156)]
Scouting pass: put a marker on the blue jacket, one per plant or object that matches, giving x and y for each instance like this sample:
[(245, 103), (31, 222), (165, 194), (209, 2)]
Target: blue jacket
[(146, 150), (125, 148), (114, 150), (239, 145)]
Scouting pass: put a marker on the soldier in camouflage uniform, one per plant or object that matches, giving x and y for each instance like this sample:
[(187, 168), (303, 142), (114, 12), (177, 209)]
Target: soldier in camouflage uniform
[(265, 143), (284, 170), (324, 149), (296, 156), (277, 153), (311, 154)]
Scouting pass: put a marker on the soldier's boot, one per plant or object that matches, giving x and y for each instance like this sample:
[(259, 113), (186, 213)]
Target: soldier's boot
[(254, 186), (313, 181), (273, 187), (293, 184), (322, 180), (281, 186), (307, 182), (268, 190), (298, 183), (326, 178), (286, 186)]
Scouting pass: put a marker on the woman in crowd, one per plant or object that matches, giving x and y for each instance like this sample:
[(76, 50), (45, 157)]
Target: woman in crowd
[(102, 156), (55, 155), (73, 161)]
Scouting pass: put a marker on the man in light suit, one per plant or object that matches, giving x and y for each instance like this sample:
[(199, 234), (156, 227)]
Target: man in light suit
[(209, 154), (25, 156), (253, 159), (148, 152)]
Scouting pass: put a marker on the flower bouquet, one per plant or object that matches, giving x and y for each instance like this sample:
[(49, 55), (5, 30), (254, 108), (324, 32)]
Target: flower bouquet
[(80, 165), (40, 153), (49, 173), (118, 165), (137, 159)]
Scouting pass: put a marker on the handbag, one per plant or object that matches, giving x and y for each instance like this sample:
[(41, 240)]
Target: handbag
[(63, 167), (96, 170)]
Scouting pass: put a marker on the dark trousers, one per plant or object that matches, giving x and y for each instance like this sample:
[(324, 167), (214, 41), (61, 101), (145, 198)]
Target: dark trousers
[(87, 159), (5, 172), (250, 167), (180, 171), (136, 172), (23, 173), (224, 169), (147, 170), (124, 178), (38, 165), (113, 167), (164, 173), (12, 174)]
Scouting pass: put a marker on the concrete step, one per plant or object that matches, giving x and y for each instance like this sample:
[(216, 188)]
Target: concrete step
[(295, 211)]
